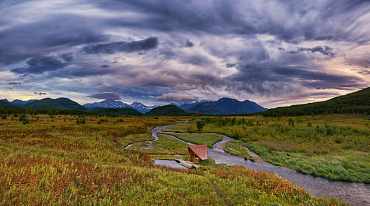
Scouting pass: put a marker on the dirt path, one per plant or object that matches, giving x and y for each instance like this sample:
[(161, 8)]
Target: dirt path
[(219, 195), (146, 145)]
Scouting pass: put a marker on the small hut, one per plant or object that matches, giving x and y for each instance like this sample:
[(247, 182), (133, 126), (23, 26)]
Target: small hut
[(198, 152)]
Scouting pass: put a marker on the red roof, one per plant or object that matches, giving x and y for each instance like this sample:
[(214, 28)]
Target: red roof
[(200, 151)]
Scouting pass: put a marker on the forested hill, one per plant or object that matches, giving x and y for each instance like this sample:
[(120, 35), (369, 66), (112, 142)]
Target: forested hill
[(4, 104), (60, 103), (223, 106), (168, 110), (353, 103)]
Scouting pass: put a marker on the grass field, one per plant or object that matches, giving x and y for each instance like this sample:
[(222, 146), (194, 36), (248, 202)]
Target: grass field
[(55, 161), (171, 144), (332, 146), (236, 147), (199, 138)]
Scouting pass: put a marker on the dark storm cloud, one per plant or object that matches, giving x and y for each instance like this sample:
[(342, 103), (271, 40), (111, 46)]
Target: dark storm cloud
[(56, 32), (242, 18), (68, 57), (83, 71), (170, 16), (39, 65), (198, 39), (175, 97), (123, 46), (325, 50), (230, 65), (268, 79), (144, 93), (40, 93), (196, 60), (15, 83), (362, 71), (316, 78), (338, 7), (189, 44), (106, 95)]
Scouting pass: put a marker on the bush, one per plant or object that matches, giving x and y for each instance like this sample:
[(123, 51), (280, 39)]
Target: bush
[(189, 128), (25, 121), (200, 125), (209, 161), (22, 117), (238, 132), (80, 120), (291, 122)]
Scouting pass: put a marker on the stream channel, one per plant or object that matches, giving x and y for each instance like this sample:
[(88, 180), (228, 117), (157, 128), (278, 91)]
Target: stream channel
[(352, 193)]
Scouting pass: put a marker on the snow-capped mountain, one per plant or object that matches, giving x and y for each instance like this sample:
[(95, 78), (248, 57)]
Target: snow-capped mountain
[(141, 107), (138, 105), (110, 103)]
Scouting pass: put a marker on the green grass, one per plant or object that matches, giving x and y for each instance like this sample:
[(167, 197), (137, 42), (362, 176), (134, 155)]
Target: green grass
[(156, 152), (235, 147), (172, 144), (200, 138), (181, 128), (166, 148), (346, 165), (132, 138), (234, 186), (62, 163), (332, 146)]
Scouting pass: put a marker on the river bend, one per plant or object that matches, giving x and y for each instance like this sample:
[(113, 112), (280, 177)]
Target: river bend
[(352, 193)]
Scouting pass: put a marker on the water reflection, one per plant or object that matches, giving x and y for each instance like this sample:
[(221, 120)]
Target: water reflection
[(170, 163)]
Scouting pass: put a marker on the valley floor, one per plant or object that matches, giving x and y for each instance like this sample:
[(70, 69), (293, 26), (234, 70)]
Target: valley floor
[(61, 159)]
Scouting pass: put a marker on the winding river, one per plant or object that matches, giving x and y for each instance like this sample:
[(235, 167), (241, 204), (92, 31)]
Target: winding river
[(352, 193)]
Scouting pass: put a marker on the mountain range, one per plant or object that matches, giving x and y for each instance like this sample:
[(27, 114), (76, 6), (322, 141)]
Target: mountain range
[(357, 102), (109, 106), (223, 106), (110, 103)]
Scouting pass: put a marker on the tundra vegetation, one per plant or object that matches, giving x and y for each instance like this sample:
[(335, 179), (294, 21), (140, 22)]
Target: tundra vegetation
[(67, 159), (332, 146)]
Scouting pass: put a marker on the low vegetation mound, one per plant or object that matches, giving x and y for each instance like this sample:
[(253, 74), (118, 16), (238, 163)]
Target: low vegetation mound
[(168, 110)]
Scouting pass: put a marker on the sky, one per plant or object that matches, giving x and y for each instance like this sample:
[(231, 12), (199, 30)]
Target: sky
[(272, 52)]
